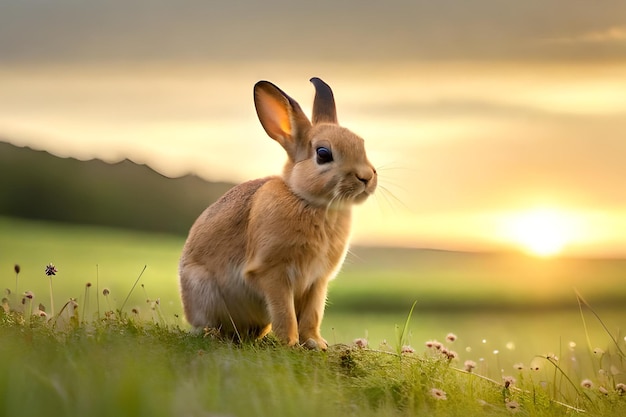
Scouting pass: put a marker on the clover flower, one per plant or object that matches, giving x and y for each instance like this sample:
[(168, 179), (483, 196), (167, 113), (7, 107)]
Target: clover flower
[(469, 365), (41, 311), (552, 357), (407, 349), (450, 354), (512, 406), (508, 381), (361, 342), (51, 270), (438, 394)]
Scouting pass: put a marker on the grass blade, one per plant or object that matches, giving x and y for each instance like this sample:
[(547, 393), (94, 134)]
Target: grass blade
[(133, 288)]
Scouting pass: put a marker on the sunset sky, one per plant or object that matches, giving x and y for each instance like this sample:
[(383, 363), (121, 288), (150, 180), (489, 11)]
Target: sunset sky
[(493, 124)]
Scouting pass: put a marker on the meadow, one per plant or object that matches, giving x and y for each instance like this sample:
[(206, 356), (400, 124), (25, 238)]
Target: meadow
[(506, 311)]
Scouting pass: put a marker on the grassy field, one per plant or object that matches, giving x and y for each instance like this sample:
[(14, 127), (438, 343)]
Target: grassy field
[(503, 309)]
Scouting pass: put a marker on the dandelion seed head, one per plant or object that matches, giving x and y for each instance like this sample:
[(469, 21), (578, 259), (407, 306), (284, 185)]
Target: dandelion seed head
[(552, 357), (88, 284), (29, 295), (468, 349), (519, 366), (572, 345), (438, 394), (620, 388), (535, 365), (586, 383), (510, 346), (598, 352), (484, 341), (106, 292), (496, 351), (451, 337), (135, 311), (429, 344), (603, 390), (452, 355), (16, 268)]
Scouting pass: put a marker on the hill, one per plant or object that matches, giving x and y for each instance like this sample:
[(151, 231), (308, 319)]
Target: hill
[(38, 185)]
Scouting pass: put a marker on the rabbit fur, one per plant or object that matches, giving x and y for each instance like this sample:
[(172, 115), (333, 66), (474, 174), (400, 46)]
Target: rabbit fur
[(260, 258)]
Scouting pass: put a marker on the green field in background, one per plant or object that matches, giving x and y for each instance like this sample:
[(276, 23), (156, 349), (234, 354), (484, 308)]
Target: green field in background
[(504, 299)]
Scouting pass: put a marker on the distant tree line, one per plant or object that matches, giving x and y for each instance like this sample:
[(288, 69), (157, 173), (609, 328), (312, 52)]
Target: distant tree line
[(38, 185)]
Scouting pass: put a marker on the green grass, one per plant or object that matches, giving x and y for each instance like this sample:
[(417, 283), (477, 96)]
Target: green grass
[(122, 365), (96, 363)]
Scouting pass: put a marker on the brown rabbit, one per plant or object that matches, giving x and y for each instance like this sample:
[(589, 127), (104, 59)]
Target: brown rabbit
[(260, 258)]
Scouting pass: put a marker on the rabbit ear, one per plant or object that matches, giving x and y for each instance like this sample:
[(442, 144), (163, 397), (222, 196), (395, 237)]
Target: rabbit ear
[(324, 110), (281, 116)]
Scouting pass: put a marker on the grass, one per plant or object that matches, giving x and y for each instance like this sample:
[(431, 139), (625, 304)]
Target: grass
[(126, 353), (118, 364)]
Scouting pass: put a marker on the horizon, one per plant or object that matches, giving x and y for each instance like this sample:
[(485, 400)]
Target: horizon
[(493, 126)]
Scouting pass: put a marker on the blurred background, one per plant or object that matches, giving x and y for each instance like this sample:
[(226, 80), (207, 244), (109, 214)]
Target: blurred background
[(498, 130)]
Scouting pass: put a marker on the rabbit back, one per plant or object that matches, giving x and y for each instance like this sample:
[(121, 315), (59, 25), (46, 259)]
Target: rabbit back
[(213, 291)]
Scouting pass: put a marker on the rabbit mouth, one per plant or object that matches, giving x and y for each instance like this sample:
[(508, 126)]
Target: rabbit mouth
[(352, 194), (361, 197)]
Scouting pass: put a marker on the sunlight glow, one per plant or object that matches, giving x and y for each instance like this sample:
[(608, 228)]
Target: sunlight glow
[(541, 231)]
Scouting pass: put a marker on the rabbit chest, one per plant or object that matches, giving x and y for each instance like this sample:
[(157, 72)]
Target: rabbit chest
[(289, 238)]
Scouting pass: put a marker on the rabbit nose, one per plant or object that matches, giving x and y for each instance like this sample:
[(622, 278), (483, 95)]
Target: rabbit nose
[(365, 177)]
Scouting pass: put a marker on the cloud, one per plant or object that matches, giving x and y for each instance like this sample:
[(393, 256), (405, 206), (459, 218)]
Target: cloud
[(608, 35), (66, 31)]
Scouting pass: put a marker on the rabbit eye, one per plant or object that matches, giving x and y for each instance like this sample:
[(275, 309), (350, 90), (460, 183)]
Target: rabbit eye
[(324, 155)]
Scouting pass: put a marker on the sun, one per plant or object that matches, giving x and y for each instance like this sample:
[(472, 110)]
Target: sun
[(542, 232)]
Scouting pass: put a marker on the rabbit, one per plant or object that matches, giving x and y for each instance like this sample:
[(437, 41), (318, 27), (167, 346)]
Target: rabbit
[(260, 258)]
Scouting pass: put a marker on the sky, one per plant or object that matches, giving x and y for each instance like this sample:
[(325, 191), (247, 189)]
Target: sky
[(493, 124)]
